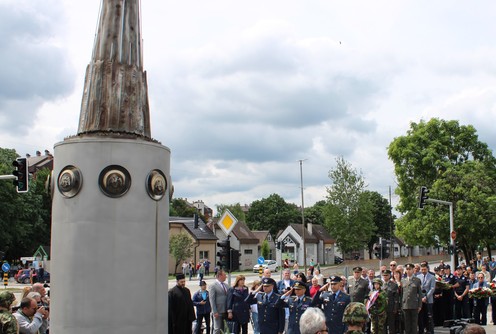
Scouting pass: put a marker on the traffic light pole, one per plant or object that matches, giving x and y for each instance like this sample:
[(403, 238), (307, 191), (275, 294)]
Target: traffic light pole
[(7, 177), (452, 226)]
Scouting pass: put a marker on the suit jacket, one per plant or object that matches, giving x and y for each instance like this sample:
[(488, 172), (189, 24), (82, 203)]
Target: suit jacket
[(358, 289), (428, 285), (281, 287), (236, 303), (218, 297), (412, 293)]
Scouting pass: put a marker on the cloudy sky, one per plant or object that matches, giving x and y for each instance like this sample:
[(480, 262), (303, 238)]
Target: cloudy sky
[(241, 90)]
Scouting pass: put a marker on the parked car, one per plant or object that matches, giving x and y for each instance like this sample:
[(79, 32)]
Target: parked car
[(24, 277), (338, 260), (271, 264)]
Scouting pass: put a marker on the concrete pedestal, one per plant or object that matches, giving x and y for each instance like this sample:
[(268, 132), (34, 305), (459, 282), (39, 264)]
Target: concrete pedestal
[(109, 256)]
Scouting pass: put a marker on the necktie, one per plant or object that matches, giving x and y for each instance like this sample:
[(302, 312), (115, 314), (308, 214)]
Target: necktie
[(224, 287)]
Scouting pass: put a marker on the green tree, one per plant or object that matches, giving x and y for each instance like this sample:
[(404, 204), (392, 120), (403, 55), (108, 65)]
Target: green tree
[(348, 210), (235, 209), (315, 213), (181, 208), (381, 216), (180, 247), (273, 214), (265, 249), (441, 155), (24, 218)]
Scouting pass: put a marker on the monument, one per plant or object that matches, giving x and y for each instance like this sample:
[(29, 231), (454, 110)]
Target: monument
[(111, 188)]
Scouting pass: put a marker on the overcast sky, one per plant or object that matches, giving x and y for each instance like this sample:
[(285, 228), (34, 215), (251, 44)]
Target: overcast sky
[(241, 90)]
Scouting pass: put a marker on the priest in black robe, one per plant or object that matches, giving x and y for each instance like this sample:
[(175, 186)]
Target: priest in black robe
[(181, 310)]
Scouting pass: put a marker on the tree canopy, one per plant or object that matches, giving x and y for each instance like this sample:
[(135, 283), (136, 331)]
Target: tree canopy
[(273, 214), (25, 218), (235, 209), (455, 166), (348, 209)]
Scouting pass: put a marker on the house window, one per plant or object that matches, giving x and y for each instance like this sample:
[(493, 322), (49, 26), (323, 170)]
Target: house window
[(203, 255), (248, 251)]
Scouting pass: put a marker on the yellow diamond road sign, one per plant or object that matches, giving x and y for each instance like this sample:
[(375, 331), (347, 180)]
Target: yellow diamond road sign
[(227, 222)]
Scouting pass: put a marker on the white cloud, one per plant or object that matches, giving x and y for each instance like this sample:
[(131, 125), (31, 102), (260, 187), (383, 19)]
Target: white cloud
[(241, 91)]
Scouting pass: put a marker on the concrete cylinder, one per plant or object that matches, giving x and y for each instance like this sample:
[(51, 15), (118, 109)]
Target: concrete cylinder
[(109, 255)]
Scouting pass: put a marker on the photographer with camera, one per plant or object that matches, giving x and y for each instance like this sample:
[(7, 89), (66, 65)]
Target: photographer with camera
[(36, 296), (30, 316)]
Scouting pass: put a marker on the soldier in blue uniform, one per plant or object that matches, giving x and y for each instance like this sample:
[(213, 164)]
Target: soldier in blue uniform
[(461, 288), (270, 316), (296, 304), (333, 303), (448, 295)]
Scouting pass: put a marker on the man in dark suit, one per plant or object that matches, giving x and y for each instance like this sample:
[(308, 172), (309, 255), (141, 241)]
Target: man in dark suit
[(358, 287), (392, 293), (218, 301), (333, 303), (270, 317), (426, 320), (411, 299), (480, 305)]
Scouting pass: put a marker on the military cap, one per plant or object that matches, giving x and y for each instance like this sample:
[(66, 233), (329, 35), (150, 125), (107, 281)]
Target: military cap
[(377, 280), (355, 314), (459, 267), (335, 279), (180, 277), (299, 286), (447, 266), (409, 266), (6, 298), (356, 269), (268, 281), (386, 272)]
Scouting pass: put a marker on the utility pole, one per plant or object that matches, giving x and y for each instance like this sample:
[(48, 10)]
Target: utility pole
[(303, 218)]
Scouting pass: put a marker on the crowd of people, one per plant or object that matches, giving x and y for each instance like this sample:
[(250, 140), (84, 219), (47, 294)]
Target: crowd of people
[(199, 270), (30, 315), (413, 298)]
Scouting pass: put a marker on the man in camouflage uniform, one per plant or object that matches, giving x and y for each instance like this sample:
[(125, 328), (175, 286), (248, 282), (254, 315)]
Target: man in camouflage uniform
[(7, 320), (377, 306), (355, 316)]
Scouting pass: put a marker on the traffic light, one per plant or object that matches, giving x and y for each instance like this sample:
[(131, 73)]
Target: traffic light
[(423, 197), (224, 254), (22, 174), (385, 248), (378, 251), (278, 244), (234, 260), (451, 249)]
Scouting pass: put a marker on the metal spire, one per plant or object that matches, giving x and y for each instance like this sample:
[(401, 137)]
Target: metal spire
[(115, 96)]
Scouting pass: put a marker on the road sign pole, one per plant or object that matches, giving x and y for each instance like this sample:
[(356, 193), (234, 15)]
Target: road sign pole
[(452, 227)]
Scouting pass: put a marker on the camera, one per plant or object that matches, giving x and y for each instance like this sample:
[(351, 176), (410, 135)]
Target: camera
[(47, 308)]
